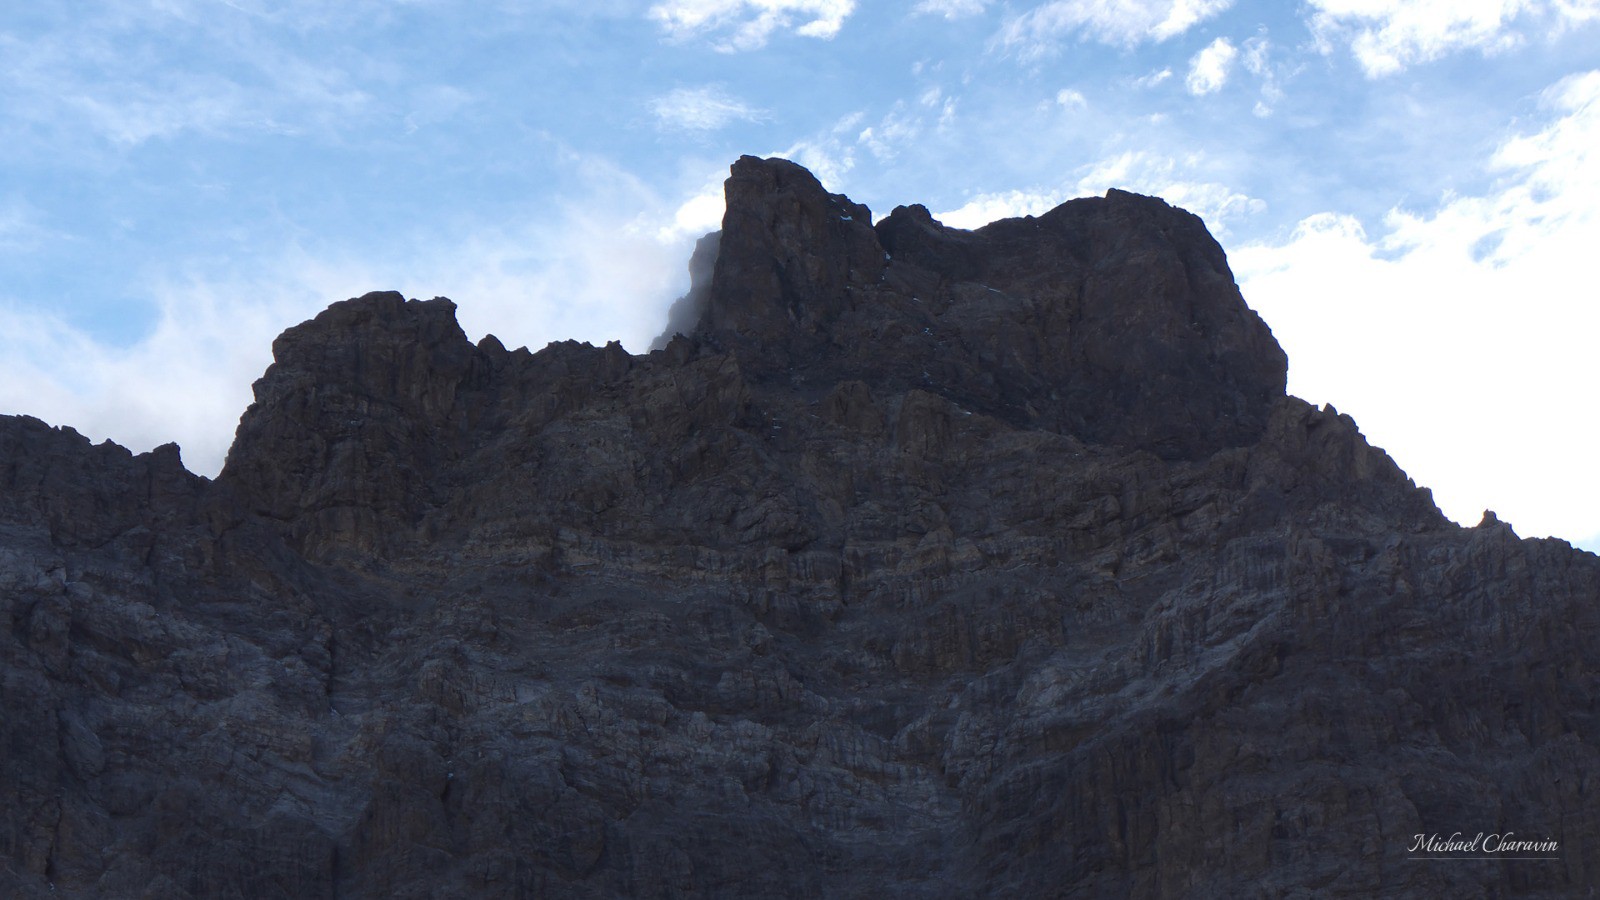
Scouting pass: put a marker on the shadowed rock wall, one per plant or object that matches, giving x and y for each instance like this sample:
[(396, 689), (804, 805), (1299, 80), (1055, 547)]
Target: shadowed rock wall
[(932, 563)]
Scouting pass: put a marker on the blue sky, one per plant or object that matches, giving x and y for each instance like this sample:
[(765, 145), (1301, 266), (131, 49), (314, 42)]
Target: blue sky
[(1408, 191)]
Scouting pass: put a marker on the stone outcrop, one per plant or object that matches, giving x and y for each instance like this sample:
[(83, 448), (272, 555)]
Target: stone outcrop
[(923, 563), (1115, 319)]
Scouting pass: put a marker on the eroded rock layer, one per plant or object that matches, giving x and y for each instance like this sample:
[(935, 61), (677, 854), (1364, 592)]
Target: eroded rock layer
[(927, 563)]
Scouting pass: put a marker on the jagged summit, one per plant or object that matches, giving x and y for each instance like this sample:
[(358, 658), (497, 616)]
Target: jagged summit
[(1115, 319), (925, 563)]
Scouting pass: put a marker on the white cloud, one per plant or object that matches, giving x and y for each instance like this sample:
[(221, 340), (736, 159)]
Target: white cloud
[(828, 158), (900, 126), (1175, 180), (1039, 31), (701, 109), (830, 154), (1208, 69), (1171, 179), (603, 265), (1462, 339), (698, 215), (749, 24), (1386, 36), (105, 76), (188, 380), (131, 114), (1071, 99), (1257, 58), (1256, 52), (951, 9), (1153, 79), (986, 208)]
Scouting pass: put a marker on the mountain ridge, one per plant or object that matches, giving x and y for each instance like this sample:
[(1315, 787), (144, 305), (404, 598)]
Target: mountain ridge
[(926, 562)]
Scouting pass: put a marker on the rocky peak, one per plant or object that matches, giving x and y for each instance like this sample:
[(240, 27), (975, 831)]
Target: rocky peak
[(1113, 319), (791, 256), (359, 405)]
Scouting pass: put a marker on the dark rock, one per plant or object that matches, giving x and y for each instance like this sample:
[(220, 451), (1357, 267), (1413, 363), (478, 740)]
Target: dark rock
[(926, 563), (686, 311), (1113, 319)]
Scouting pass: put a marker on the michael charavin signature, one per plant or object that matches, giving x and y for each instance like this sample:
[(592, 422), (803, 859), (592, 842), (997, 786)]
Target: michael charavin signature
[(1481, 846)]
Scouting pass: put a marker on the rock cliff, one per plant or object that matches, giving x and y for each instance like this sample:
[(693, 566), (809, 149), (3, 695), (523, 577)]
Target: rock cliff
[(922, 563)]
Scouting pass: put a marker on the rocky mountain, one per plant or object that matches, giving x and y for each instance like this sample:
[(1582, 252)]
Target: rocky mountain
[(923, 563)]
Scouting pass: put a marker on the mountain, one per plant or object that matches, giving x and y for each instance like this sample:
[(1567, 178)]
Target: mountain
[(923, 563)]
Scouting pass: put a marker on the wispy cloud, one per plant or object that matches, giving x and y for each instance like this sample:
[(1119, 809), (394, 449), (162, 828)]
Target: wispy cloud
[(1208, 69), (1387, 36), (1471, 323), (736, 25), (1180, 180), (986, 208), (1145, 82), (435, 104), (829, 157), (187, 380), (951, 9), (112, 75), (1041, 30), (21, 230), (1257, 59), (1257, 51), (602, 264), (1175, 180), (701, 109), (898, 127)]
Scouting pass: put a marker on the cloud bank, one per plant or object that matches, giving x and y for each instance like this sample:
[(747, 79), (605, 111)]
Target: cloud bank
[(1483, 309), (602, 265), (1387, 36)]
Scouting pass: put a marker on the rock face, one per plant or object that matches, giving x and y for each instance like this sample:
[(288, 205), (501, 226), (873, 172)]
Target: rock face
[(926, 563), (1113, 319)]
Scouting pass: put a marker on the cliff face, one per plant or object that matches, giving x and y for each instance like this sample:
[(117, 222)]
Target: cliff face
[(1113, 319), (927, 563)]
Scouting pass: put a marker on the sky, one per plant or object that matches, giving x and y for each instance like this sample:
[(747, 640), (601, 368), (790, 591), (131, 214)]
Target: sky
[(1409, 192)]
